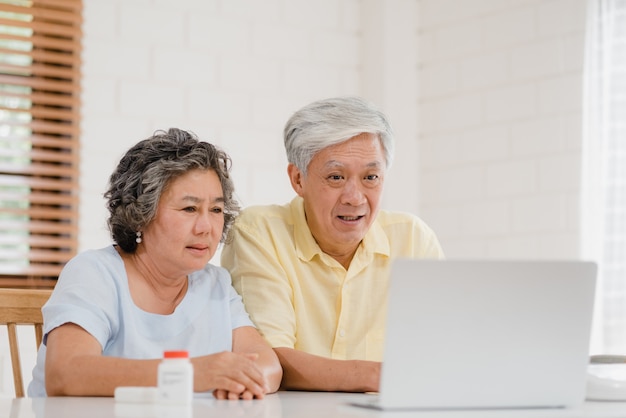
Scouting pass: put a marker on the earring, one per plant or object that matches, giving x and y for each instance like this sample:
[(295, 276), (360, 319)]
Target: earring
[(138, 239)]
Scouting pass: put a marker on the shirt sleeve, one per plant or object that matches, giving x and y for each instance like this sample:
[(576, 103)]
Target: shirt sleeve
[(86, 296), (426, 244), (261, 281), (238, 315)]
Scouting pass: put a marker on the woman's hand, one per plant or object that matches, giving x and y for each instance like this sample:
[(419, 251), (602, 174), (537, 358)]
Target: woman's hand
[(230, 375)]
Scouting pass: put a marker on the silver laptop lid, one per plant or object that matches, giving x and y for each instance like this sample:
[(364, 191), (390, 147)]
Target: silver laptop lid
[(487, 334)]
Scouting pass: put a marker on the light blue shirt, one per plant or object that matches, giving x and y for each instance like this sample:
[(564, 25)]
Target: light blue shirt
[(92, 292)]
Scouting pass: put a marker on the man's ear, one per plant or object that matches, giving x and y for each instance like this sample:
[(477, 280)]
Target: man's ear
[(295, 176)]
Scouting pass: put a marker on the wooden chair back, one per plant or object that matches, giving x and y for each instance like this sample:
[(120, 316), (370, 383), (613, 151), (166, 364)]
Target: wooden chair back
[(21, 307)]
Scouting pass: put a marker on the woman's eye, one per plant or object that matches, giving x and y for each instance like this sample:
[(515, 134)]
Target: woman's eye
[(189, 209), (334, 177), (217, 210)]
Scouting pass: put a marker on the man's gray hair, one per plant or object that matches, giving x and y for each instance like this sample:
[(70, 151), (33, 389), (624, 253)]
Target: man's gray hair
[(328, 122)]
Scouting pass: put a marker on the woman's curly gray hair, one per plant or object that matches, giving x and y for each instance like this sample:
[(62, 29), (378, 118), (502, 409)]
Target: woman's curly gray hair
[(136, 185)]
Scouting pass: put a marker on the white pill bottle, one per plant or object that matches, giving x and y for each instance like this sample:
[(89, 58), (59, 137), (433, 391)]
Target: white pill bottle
[(175, 378)]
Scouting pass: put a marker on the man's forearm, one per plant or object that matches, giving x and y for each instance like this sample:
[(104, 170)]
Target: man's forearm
[(303, 371)]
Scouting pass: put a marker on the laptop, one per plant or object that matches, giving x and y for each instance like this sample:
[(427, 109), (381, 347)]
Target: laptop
[(477, 334)]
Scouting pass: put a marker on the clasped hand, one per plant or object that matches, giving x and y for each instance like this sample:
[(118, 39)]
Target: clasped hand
[(230, 376)]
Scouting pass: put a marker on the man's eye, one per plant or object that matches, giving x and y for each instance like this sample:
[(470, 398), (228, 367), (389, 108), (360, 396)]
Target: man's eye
[(335, 177), (372, 177), (189, 209), (217, 210)]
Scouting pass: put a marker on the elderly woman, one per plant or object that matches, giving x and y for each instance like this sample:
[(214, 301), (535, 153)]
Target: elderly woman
[(115, 310)]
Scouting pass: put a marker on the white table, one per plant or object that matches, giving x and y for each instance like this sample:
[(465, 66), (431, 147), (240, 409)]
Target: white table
[(277, 405)]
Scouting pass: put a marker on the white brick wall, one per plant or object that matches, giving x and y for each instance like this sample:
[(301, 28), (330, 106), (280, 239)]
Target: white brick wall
[(231, 71), (500, 90)]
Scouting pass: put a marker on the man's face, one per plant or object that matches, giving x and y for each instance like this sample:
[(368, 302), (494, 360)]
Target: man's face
[(342, 192)]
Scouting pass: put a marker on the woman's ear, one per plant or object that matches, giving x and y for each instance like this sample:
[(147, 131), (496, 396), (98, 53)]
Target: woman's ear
[(295, 176)]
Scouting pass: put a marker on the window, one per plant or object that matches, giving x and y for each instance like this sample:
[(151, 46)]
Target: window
[(40, 46), (604, 179)]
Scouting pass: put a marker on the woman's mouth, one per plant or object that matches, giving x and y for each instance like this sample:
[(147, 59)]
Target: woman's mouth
[(198, 247)]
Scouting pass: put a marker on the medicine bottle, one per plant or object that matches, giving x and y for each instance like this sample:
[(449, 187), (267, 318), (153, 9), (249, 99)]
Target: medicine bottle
[(175, 378)]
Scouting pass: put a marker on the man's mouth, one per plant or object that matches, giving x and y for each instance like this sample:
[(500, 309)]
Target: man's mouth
[(350, 218)]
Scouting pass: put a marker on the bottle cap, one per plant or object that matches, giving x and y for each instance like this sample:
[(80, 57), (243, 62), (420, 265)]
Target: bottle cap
[(176, 354)]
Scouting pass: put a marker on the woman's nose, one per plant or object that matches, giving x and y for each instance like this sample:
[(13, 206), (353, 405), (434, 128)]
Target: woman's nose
[(204, 223)]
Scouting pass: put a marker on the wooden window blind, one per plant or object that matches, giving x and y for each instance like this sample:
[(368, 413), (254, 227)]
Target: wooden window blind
[(40, 63)]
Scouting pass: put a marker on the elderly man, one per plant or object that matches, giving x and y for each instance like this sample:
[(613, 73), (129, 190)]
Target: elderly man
[(314, 273)]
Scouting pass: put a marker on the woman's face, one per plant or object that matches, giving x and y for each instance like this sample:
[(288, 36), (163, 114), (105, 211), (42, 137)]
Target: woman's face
[(188, 225)]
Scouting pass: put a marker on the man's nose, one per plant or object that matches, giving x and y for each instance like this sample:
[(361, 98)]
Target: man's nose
[(353, 192)]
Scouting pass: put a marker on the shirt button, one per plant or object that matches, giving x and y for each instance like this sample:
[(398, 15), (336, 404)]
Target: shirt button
[(342, 333)]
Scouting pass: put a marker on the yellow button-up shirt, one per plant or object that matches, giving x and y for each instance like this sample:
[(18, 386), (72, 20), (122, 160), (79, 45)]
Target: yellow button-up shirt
[(300, 297)]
